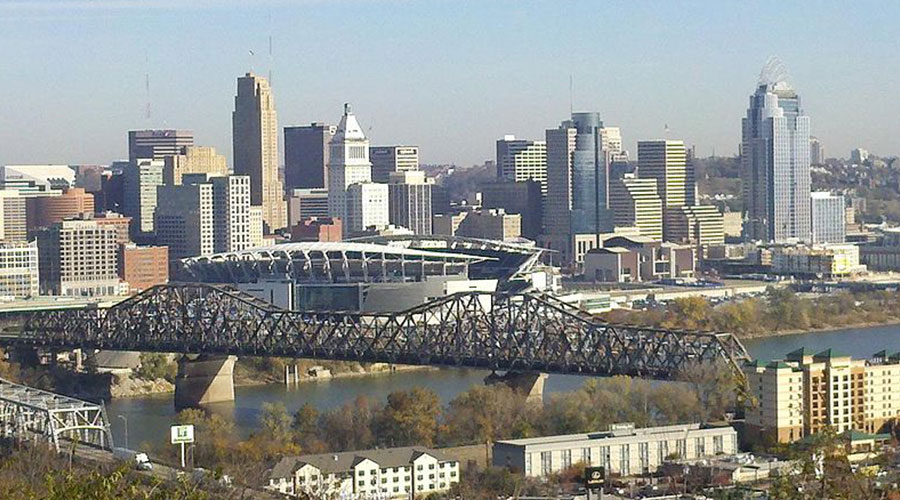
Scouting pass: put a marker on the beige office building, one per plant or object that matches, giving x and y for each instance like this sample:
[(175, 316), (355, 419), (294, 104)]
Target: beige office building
[(805, 393), (636, 203), (195, 160), (492, 224), (700, 225), (667, 162), (255, 142)]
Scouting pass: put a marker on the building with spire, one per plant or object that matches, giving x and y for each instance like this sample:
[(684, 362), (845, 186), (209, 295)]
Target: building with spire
[(255, 141), (348, 163), (775, 160)]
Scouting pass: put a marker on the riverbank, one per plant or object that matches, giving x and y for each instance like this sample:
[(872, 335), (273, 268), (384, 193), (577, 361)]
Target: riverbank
[(827, 329)]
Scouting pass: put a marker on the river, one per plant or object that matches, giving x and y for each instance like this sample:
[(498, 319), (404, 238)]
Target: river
[(149, 417)]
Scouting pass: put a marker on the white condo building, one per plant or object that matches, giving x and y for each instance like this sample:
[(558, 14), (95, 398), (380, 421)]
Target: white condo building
[(828, 217), (348, 163), (367, 207), (390, 473)]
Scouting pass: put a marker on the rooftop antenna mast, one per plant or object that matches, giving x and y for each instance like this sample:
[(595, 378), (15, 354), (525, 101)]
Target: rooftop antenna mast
[(271, 58), (147, 110)]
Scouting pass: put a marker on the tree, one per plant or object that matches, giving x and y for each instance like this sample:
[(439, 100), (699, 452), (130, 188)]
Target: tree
[(410, 417), (488, 413), (276, 422), (156, 366)]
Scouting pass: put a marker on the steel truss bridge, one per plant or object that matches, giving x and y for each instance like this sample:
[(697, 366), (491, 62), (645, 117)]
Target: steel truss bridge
[(27, 413), (526, 332)]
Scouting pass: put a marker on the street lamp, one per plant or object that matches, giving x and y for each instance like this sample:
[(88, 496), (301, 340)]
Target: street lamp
[(125, 419)]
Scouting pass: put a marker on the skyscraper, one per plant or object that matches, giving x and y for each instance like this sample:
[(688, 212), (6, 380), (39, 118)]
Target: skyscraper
[(306, 153), (231, 213), (667, 163), (157, 144), (409, 197), (184, 220), (636, 203), (348, 163), (141, 178), (775, 164), (522, 160), (255, 141), (816, 151), (389, 159), (577, 183)]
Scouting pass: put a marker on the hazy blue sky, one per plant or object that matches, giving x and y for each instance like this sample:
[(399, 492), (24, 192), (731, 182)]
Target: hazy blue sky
[(450, 76)]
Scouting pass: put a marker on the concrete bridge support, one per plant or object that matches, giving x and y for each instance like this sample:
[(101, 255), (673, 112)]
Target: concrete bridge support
[(529, 384), (204, 379)]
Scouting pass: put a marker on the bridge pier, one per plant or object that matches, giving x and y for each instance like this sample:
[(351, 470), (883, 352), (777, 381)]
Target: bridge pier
[(529, 384), (204, 379)]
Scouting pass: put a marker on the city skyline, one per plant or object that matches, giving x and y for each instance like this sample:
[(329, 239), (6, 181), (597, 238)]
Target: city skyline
[(446, 82)]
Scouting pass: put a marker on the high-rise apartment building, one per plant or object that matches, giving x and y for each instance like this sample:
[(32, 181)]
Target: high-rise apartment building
[(78, 258), (306, 155), (194, 160), (668, 164), (389, 159), (816, 151), (523, 198), (829, 213), (807, 392), (409, 199), (157, 144), (184, 220), (367, 207), (521, 160), (348, 164), (255, 141), (307, 203), (141, 178), (231, 214), (19, 269), (775, 159), (636, 203)]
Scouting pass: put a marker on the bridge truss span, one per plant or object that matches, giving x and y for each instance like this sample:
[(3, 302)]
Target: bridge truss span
[(525, 332)]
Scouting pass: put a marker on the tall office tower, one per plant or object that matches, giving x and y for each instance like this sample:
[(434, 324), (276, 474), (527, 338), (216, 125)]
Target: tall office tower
[(194, 160), (348, 163), (611, 143), (775, 164), (231, 213), (78, 257), (828, 217), (389, 159), (184, 220), (367, 208), (816, 151), (306, 203), (522, 160), (19, 276), (667, 163), (255, 141), (523, 198), (141, 178), (636, 203), (558, 206), (306, 153), (409, 200), (43, 211), (157, 144), (859, 156)]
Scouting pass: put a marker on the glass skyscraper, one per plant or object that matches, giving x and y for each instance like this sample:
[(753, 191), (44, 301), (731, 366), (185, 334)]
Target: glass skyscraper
[(590, 176), (775, 165)]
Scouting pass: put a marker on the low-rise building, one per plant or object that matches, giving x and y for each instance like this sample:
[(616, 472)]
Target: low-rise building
[(317, 229), (492, 224), (818, 261), (638, 258), (386, 473), (807, 392), (143, 266), (622, 450)]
